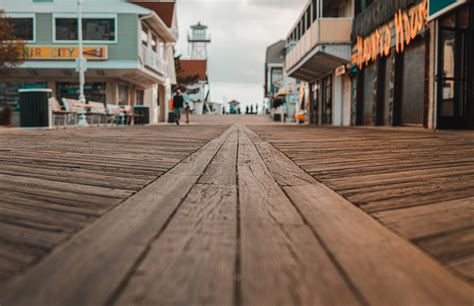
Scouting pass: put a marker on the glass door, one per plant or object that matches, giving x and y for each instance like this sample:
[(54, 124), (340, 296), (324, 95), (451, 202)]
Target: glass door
[(451, 78), (326, 111)]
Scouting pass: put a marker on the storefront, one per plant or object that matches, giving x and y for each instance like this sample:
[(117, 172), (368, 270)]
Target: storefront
[(390, 64), (454, 83), (128, 48), (319, 54)]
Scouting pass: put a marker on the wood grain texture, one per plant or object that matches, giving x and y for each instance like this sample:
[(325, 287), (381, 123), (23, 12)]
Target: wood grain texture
[(416, 182), (42, 212), (192, 261), (384, 267), (427, 220), (282, 262)]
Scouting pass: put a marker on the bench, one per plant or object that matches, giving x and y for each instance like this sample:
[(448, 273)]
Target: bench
[(127, 115), (95, 112), (59, 113), (115, 114)]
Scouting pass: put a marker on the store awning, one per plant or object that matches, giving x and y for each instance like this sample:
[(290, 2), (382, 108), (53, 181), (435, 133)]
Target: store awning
[(128, 71), (281, 92), (321, 61)]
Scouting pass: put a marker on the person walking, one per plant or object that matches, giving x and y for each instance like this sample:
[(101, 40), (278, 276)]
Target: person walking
[(178, 105)]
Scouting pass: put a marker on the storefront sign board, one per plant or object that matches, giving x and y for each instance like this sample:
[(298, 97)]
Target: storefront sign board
[(63, 52), (439, 7)]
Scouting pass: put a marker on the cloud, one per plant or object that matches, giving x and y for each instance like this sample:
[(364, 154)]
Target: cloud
[(241, 32)]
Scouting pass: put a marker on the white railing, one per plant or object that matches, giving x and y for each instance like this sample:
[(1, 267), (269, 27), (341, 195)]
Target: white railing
[(152, 60), (322, 31)]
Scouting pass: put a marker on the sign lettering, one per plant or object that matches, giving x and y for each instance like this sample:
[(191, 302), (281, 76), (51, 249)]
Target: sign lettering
[(406, 24), (63, 52)]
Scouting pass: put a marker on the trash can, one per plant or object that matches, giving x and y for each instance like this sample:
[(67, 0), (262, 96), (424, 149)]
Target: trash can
[(142, 114), (171, 117), (34, 107)]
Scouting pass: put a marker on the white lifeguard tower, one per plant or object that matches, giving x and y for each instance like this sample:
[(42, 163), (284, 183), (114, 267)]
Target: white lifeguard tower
[(198, 39)]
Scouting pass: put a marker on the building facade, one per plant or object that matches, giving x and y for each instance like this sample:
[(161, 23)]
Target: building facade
[(280, 89), (128, 46), (319, 52), (451, 96), (412, 64)]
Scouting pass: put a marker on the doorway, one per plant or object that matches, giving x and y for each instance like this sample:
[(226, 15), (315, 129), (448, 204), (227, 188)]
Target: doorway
[(383, 108), (326, 105), (161, 104), (452, 76)]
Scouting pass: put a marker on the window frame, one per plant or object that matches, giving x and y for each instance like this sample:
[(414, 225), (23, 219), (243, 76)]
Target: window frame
[(29, 16), (154, 39), (86, 16), (145, 30)]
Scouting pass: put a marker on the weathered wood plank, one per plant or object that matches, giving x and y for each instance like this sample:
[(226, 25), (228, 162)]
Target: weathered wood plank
[(282, 262), (450, 245), (384, 267), (428, 220), (464, 266), (385, 170), (193, 260), (62, 186), (107, 250)]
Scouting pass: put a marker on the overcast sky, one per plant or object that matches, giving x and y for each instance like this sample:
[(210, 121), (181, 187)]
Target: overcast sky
[(241, 30)]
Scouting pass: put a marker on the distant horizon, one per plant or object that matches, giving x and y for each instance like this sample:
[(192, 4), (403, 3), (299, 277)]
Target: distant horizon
[(245, 92)]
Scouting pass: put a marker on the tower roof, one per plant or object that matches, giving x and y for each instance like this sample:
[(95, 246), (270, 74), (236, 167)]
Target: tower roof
[(199, 26)]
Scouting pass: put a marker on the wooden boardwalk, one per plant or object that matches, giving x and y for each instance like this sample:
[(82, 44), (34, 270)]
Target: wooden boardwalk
[(418, 183), (54, 183), (216, 215)]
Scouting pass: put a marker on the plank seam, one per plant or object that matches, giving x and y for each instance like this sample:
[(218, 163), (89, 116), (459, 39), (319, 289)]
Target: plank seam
[(115, 296), (237, 265), (357, 293)]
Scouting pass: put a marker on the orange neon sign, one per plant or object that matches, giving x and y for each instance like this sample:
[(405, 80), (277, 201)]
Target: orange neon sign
[(407, 26)]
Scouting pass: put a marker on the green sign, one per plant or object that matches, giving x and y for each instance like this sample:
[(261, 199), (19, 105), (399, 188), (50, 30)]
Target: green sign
[(437, 6)]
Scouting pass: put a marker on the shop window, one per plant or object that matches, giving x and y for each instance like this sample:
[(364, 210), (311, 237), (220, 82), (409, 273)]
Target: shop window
[(24, 28), (154, 43), (145, 37), (66, 29), (368, 95), (93, 91), (327, 100), (140, 97), (308, 18), (315, 10), (413, 82), (94, 29), (123, 95), (99, 29)]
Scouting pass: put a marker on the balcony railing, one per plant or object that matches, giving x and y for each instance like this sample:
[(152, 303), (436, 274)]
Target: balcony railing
[(152, 60), (322, 31)]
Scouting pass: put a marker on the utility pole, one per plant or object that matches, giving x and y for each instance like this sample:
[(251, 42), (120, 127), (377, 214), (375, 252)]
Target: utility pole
[(81, 66)]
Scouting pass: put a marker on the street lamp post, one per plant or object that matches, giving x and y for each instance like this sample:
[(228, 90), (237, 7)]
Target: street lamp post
[(81, 66)]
